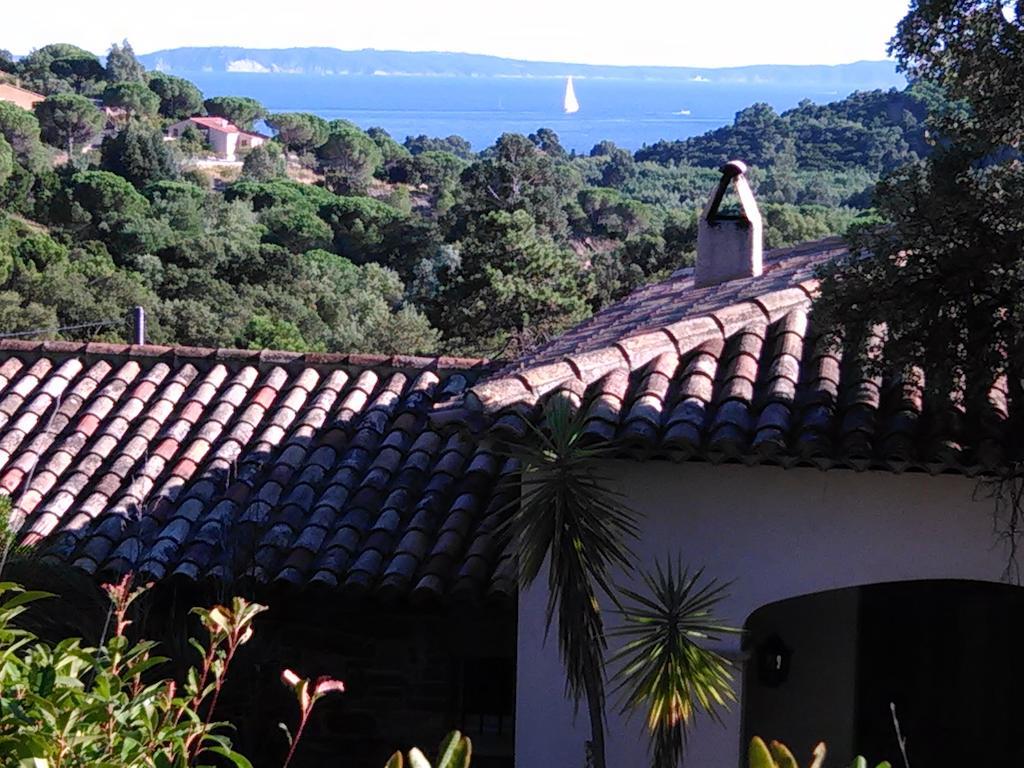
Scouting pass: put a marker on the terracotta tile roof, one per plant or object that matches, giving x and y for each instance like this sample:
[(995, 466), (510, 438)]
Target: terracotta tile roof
[(736, 372), (22, 97), (236, 464), (344, 470), (216, 123)]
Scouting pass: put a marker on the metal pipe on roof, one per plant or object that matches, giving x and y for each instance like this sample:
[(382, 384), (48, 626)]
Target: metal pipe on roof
[(139, 325)]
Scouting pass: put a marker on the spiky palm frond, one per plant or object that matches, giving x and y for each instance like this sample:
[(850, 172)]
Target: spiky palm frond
[(568, 515), (663, 666)]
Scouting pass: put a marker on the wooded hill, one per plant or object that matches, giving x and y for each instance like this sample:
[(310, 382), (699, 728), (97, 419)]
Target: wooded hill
[(401, 244)]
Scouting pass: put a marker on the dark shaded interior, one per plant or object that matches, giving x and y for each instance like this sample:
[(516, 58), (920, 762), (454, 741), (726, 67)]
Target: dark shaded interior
[(412, 674), (944, 652)]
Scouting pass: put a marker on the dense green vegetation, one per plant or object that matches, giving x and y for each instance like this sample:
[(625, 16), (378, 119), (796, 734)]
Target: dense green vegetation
[(947, 273), (335, 238)]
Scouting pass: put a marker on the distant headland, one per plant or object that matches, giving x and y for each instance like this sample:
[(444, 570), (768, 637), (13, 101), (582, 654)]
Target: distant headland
[(332, 61)]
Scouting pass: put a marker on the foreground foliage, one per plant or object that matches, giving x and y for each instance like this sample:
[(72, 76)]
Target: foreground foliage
[(73, 705), (455, 751), (777, 755)]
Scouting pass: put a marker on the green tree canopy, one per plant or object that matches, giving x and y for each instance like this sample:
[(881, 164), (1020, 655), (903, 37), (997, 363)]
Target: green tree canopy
[(179, 98), (21, 130), (67, 120), (361, 226), (547, 142), (295, 227), (133, 97), (456, 145), (82, 73), (264, 163), (122, 66), (266, 332), (39, 250), (514, 283), (515, 176), (349, 158), (6, 160), (299, 131), (37, 72), (362, 306), (791, 224), (946, 271), (878, 130), (440, 171), (240, 110), (139, 154), (618, 166), (279, 191), (99, 205), (394, 157)]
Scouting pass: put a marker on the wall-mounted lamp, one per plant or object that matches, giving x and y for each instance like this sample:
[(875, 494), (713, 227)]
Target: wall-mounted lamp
[(773, 660)]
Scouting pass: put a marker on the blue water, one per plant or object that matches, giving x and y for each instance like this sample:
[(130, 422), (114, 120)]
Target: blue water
[(629, 112)]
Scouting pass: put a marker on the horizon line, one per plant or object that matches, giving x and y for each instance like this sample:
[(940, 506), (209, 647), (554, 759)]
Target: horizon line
[(488, 56)]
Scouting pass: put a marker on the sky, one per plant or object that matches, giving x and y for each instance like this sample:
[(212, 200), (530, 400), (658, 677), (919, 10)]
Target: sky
[(705, 33)]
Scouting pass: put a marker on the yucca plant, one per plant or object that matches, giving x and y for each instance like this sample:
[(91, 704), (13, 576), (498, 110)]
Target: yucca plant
[(664, 667), (568, 514)]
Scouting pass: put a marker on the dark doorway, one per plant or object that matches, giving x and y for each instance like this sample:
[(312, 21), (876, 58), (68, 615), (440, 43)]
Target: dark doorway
[(946, 653)]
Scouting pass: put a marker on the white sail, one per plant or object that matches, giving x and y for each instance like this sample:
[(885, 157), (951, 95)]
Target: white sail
[(571, 104)]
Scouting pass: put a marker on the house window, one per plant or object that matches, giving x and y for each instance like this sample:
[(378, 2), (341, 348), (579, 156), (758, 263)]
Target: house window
[(827, 667)]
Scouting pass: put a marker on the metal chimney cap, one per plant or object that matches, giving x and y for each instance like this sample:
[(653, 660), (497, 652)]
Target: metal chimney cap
[(734, 168)]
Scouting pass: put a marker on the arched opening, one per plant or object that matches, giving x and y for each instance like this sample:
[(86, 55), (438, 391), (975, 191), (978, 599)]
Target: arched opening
[(947, 654)]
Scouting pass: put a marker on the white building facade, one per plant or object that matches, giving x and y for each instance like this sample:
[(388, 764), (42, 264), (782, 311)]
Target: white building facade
[(773, 534)]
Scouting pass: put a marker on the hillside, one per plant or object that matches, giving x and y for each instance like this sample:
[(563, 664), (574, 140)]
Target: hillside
[(332, 61), (873, 130), (421, 245)]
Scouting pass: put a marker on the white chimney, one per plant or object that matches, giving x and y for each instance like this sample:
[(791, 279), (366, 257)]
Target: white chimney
[(729, 246)]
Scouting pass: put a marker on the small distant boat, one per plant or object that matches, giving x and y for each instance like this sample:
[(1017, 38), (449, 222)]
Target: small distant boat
[(682, 112), (571, 104)]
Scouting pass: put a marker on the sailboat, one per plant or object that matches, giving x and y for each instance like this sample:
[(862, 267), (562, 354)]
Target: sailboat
[(570, 105)]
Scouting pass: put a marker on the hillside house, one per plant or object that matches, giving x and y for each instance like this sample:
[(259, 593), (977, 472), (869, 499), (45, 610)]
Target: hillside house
[(115, 117), (359, 497), (21, 97), (225, 139)]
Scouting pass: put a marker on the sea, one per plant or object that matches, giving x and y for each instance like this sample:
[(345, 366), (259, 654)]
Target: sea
[(629, 112)]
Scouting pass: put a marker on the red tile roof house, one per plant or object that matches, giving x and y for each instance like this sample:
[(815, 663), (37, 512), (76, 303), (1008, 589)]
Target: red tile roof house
[(359, 496), (225, 138)]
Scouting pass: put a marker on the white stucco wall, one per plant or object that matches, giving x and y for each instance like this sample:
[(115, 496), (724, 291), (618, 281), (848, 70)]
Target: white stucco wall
[(775, 534), (223, 144)]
